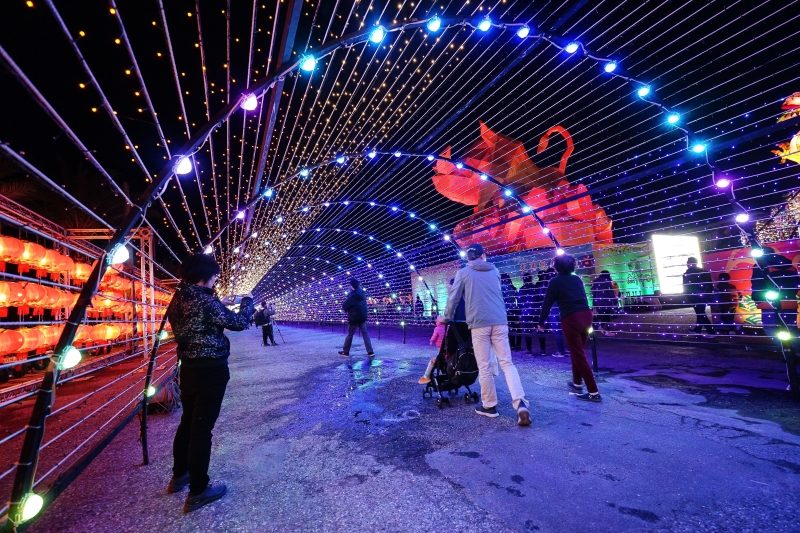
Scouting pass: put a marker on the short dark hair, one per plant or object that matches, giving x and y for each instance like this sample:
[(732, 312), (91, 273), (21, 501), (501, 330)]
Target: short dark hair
[(565, 264), (198, 268), (724, 276), (692, 260), (354, 283)]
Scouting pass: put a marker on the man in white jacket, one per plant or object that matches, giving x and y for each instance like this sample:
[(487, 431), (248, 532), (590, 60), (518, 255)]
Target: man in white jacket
[(479, 284)]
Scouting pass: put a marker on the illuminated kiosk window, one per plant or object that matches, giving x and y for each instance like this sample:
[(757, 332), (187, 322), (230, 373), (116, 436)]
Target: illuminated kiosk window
[(671, 253)]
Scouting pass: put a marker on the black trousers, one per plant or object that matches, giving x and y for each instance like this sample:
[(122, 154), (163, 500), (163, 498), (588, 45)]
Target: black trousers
[(202, 390), (267, 334), (702, 319)]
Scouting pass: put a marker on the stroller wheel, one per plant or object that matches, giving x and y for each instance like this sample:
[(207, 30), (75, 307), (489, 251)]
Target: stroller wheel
[(439, 403), (467, 398), (475, 397), (446, 400)]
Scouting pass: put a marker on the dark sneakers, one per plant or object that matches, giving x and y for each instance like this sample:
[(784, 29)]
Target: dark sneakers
[(371, 354), (177, 484), (590, 397), (343, 354), (491, 412), (574, 388), (212, 493), (523, 416)]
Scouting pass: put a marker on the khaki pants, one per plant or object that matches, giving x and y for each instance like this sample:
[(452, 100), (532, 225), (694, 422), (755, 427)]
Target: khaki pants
[(484, 340)]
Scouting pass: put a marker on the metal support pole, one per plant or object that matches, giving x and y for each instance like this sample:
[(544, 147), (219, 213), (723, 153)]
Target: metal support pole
[(145, 393), (594, 352)]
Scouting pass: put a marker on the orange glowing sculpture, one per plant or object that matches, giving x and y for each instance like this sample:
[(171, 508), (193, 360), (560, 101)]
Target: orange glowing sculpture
[(573, 222)]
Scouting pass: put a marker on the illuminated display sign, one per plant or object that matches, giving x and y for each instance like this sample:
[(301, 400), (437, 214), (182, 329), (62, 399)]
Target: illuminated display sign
[(671, 253)]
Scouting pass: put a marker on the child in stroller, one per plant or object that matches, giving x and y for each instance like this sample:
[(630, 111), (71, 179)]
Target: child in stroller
[(454, 366), (437, 337)]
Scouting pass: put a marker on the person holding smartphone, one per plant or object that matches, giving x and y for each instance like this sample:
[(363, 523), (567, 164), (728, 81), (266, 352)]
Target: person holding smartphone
[(198, 319)]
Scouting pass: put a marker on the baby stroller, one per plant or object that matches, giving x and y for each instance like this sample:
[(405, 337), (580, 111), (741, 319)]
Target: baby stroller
[(455, 367)]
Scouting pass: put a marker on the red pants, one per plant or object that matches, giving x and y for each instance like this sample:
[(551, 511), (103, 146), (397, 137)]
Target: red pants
[(576, 333)]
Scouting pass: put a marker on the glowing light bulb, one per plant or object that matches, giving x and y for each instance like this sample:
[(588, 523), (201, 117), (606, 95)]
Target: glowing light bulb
[(268, 193), (643, 91), (447, 238), (698, 148), (723, 183), (236, 250), (279, 220), (560, 251), (240, 215), (394, 208), (377, 34), (432, 226), (304, 172), (462, 254), (151, 391), (507, 192), (398, 153), (784, 335), (208, 250), (372, 154), (412, 215), (571, 48), (183, 166), (673, 118), (756, 252), (31, 505), (611, 66), (742, 218), (545, 230), (254, 235), (419, 278), (459, 165), (70, 358), (308, 63), (249, 103), (434, 24), (340, 159), (771, 295), (485, 24), (526, 209), (119, 254), (484, 177), (591, 330), (430, 158), (523, 32)]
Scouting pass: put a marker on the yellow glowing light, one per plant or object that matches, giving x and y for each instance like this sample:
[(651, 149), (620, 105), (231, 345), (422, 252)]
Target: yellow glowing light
[(81, 33), (32, 503), (82, 85), (113, 11), (158, 54), (94, 110), (128, 72), (117, 41), (29, 3)]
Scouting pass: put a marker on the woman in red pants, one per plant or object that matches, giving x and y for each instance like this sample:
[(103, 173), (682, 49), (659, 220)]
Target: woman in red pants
[(567, 291)]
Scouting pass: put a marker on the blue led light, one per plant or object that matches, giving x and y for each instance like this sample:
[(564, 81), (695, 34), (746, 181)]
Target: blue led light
[(459, 165), (308, 63), (372, 154), (268, 193), (507, 192), (485, 24), (523, 32), (432, 226), (340, 159), (304, 172), (643, 91), (611, 66), (377, 34), (699, 148), (673, 118), (398, 153), (434, 24), (430, 158), (571, 48)]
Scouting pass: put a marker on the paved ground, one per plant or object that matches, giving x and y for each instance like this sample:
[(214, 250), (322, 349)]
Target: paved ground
[(685, 440)]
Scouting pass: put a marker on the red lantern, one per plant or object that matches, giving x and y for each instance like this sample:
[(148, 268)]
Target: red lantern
[(11, 250), (112, 332), (34, 338), (82, 271), (33, 254), (10, 341)]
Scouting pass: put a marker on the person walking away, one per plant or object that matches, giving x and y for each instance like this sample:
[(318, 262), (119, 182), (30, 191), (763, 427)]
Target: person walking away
[(567, 290), (512, 310), (528, 316), (264, 319), (726, 300), (604, 301), (479, 284), (198, 319), (553, 319), (436, 338), (355, 305), (698, 288)]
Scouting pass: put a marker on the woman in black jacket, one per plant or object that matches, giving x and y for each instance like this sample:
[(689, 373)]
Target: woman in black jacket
[(198, 319), (355, 305), (604, 301)]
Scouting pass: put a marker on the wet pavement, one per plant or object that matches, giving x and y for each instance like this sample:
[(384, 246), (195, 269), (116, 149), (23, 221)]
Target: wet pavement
[(686, 439)]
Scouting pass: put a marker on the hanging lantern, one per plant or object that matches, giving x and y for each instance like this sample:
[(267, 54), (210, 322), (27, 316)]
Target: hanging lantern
[(11, 250), (66, 299), (33, 339), (48, 262), (10, 341), (112, 332), (82, 271), (33, 254), (52, 297), (97, 334), (83, 333)]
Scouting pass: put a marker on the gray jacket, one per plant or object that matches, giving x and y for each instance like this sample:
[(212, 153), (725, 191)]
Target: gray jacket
[(479, 284)]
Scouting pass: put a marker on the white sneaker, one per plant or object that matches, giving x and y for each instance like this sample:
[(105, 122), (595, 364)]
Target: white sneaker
[(558, 354)]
